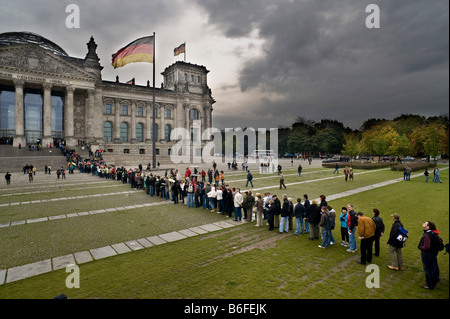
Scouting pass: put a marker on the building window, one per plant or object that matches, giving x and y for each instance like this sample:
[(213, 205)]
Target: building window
[(108, 109), (193, 114), (199, 79), (139, 132), (7, 111), (167, 130), (140, 111), (107, 131), (124, 132), (124, 109), (142, 151), (126, 151), (156, 134), (168, 113), (185, 77), (155, 112), (192, 78)]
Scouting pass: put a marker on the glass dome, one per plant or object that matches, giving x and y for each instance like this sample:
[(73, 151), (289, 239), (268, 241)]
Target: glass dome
[(9, 38)]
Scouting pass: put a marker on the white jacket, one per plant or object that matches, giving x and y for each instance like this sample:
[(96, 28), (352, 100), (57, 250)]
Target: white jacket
[(238, 199)]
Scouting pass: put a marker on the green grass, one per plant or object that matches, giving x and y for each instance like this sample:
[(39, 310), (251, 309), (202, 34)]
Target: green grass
[(241, 262)]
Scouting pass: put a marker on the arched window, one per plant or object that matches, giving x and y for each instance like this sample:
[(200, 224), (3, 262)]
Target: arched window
[(139, 132), (168, 113), (107, 131), (193, 114), (124, 132), (167, 130), (151, 133)]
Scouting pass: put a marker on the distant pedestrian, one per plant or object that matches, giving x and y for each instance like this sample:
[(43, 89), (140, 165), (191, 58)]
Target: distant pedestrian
[(282, 181), (249, 179), (8, 178), (299, 170), (336, 169), (346, 171), (426, 173)]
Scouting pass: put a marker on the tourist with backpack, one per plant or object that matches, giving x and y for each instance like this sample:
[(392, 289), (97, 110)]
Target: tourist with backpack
[(366, 232), (430, 245), (396, 244)]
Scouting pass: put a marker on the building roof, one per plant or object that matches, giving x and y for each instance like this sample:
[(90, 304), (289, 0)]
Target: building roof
[(11, 38)]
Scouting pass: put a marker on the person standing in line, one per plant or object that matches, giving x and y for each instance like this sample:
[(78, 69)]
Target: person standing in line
[(324, 217), (238, 199), (352, 222), (366, 232), (314, 219), (428, 246), (249, 206), (379, 231), (284, 221), (344, 226), (277, 203), (8, 178), (259, 204), (271, 214), (219, 197), (211, 196), (299, 213), (395, 245), (332, 217)]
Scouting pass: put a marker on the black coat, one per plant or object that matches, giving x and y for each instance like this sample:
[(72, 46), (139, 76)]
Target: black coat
[(314, 214), (299, 211), (393, 235)]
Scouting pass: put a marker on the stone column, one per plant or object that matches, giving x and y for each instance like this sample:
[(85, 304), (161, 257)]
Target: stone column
[(47, 139), (19, 137), (162, 123), (116, 134), (148, 122), (68, 117), (88, 116), (133, 122)]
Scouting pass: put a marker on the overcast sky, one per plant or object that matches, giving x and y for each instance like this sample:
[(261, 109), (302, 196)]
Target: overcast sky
[(270, 60)]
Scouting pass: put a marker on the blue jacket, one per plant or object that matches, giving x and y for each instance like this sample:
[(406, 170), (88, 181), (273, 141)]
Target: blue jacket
[(343, 219)]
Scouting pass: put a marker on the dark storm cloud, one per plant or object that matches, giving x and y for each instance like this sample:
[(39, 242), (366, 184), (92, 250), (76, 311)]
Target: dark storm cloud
[(324, 61)]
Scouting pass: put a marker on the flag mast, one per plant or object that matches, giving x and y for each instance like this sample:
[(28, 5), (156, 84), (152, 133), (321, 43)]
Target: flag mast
[(154, 108), (184, 51)]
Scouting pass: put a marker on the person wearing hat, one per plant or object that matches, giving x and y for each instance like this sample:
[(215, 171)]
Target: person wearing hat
[(395, 246)]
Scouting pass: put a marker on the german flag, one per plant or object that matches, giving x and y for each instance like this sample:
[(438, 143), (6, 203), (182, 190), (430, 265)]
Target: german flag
[(180, 49), (140, 50)]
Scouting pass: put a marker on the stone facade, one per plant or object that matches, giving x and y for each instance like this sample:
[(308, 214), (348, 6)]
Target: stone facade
[(107, 114)]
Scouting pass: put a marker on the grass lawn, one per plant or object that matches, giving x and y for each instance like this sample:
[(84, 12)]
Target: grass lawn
[(241, 262)]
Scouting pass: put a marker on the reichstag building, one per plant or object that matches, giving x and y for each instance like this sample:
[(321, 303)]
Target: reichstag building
[(45, 94)]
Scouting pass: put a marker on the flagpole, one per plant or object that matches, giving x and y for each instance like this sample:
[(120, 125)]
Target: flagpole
[(154, 108), (184, 51)]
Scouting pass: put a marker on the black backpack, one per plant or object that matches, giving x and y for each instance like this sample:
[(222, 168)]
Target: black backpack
[(329, 224)]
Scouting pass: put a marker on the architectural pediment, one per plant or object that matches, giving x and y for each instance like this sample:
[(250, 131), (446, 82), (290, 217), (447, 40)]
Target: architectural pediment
[(33, 59)]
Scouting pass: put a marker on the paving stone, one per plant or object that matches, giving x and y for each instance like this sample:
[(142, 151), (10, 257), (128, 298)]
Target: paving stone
[(37, 220), (224, 224), (172, 236), (134, 245), (110, 209), (57, 217), (2, 225), (2, 276), (130, 207), (98, 211), (144, 242), (62, 261), (24, 203), (19, 222), (198, 230), (3, 205), (210, 227), (120, 208), (29, 270), (156, 240), (83, 257), (103, 252), (121, 248), (83, 213), (187, 232), (72, 215)]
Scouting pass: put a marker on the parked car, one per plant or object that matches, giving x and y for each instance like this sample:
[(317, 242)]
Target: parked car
[(408, 158)]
